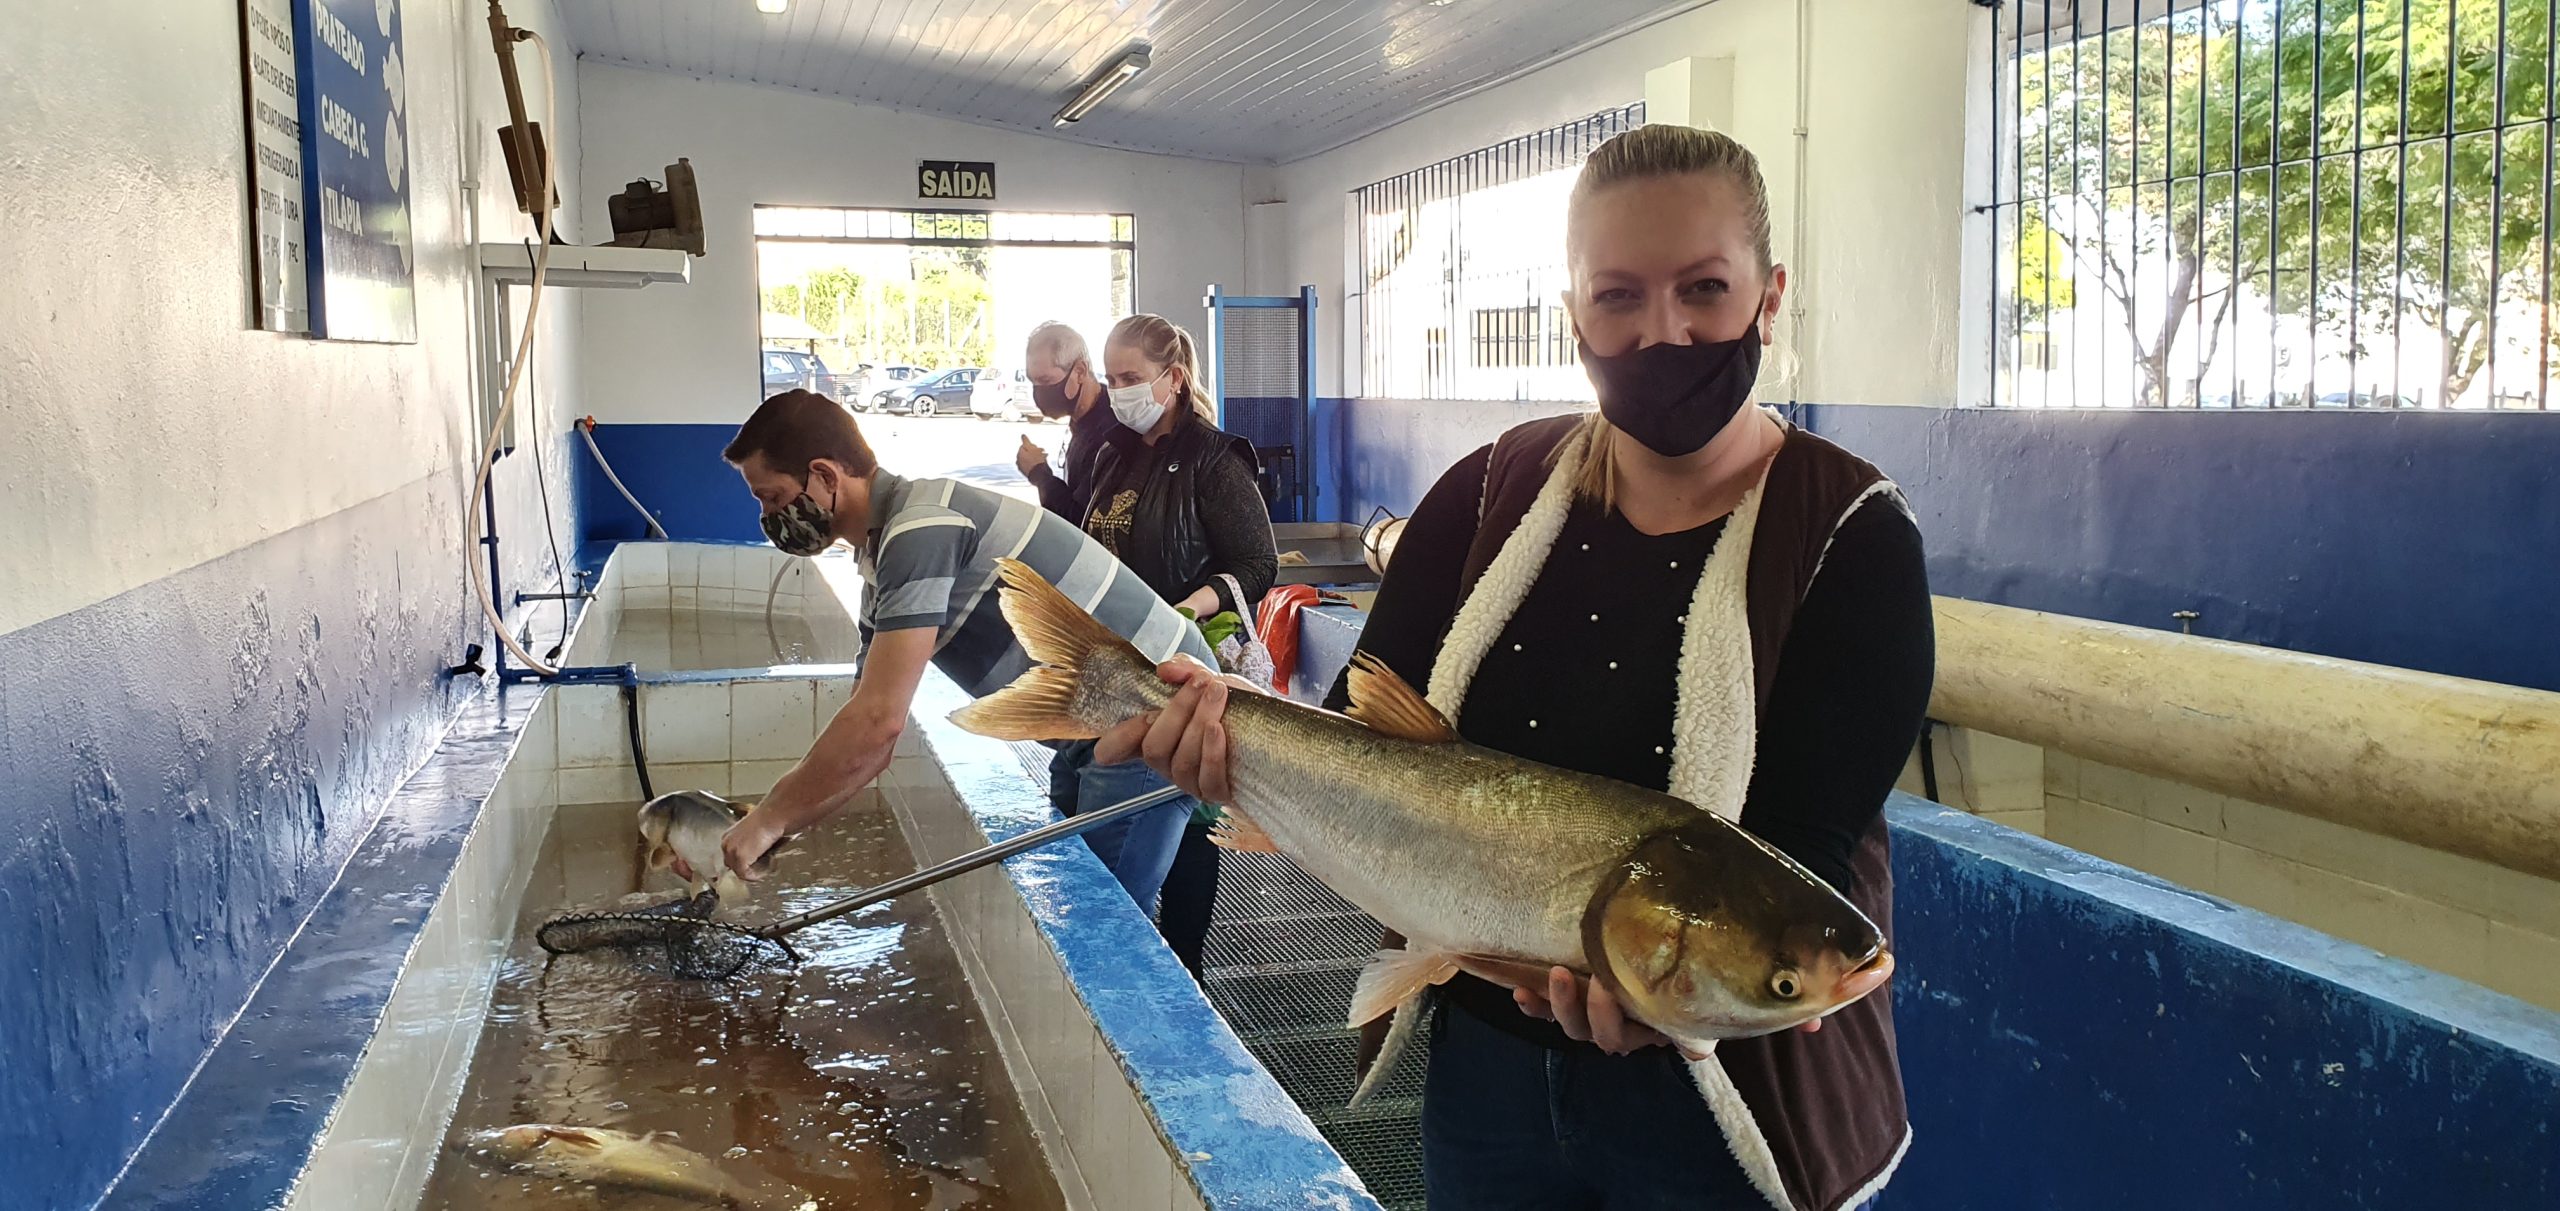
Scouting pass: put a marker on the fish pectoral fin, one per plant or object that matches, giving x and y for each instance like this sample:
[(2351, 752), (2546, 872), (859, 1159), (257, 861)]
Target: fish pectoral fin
[(1394, 977), (1237, 831), (1390, 707), (732, 889), (572, 1135)]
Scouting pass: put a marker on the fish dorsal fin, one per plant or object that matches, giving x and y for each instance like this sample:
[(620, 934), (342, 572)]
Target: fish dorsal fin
[(1382, 700)]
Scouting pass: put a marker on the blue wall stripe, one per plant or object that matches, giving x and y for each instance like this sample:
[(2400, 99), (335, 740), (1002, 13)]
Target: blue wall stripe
[(676, 471), (2417, 540), (2422, 540)]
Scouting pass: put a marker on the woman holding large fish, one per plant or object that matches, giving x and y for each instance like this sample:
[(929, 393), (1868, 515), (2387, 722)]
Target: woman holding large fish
[(1682, 592)]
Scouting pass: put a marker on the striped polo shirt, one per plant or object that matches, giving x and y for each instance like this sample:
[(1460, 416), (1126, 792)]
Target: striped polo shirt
[(930, 561)]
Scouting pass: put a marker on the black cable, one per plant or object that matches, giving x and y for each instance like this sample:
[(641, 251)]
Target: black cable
[(639, 756), (1928, 759)]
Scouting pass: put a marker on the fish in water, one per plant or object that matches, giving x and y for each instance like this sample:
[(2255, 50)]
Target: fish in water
[(601, 1156), (689, 825), (1484, 862)]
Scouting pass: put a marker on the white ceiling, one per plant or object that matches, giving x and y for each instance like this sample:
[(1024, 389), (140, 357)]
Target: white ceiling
[(1253, 81)]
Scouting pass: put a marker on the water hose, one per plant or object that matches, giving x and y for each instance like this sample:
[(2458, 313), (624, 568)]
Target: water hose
[(480, 589), (769, 591), (586, 428)]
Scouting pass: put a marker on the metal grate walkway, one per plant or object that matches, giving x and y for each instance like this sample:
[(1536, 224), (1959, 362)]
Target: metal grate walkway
[(1282, 956)]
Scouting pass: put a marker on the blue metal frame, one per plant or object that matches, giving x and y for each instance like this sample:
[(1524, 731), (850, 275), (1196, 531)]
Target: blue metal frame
[(1218, 302)]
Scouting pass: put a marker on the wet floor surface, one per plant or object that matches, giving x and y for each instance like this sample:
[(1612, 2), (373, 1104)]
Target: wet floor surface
[(863, 1079)]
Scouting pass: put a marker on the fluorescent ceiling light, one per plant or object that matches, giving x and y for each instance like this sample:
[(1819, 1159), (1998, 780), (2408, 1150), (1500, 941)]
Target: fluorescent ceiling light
[(1112, 77), (772, 6)]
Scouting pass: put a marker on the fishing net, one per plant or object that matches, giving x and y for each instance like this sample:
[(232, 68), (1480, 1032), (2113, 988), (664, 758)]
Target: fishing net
[(679, 934)]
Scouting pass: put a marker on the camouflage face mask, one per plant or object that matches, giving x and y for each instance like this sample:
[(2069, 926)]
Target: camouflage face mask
[(803, 527)]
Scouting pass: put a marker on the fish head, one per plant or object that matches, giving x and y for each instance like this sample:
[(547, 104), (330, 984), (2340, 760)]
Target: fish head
[(1705, 932)]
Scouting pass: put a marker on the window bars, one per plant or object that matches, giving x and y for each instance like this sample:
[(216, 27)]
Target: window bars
[(2273, 203), (1462, 270)]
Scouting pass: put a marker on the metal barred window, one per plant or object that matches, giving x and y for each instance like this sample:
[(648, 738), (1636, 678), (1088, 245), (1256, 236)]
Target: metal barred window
[(1462, 270), (2273, 203)]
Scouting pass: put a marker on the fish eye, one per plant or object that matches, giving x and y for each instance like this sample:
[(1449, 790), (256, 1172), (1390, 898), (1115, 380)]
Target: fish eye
[(1785, 985)]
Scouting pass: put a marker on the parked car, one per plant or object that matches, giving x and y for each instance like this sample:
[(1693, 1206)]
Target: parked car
[(794, 370), (1003, 395), (871, 381), (944, 394)]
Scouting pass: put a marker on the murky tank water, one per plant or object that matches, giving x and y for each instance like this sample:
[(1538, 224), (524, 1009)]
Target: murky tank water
[(681, 640), (863, 1079)]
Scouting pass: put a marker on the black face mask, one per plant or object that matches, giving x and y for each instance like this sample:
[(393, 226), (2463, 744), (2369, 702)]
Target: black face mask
[(1675, 398), (1053, 400)]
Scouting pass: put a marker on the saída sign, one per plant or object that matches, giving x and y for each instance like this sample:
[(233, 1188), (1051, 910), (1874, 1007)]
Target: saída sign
[(962, 180)]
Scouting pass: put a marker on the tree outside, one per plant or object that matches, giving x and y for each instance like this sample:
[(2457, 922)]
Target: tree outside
[(2286, 201)]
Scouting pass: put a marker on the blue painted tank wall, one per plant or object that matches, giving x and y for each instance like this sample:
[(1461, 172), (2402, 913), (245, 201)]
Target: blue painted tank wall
[(676, 471), (2418, 540), (186, 766), (2076, 1034)]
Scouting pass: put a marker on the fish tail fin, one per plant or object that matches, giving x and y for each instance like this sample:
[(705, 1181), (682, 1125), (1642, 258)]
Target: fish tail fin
[(1089, 678)]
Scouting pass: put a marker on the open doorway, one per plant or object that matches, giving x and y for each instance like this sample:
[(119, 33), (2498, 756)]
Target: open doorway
[(915, 320)]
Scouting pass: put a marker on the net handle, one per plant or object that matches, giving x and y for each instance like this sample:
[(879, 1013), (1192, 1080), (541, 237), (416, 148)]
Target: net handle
[(998, 852)]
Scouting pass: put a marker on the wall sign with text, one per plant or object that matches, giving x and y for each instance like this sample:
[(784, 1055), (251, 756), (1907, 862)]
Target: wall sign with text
[(957, 180), (355, 159), (281, 266)]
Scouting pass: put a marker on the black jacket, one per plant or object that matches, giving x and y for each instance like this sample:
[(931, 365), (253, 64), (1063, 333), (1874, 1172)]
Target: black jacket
[(1184, 510)]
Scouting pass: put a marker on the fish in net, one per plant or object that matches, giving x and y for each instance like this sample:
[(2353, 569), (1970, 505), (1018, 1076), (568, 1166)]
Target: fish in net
[(679, 934), (682, 933)]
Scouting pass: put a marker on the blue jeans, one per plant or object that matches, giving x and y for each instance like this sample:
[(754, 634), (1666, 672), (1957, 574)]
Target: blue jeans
[(1139, 849), (1508, 1125)]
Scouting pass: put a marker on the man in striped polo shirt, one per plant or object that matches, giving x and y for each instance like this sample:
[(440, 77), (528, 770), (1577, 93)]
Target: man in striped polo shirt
[(928, 549)]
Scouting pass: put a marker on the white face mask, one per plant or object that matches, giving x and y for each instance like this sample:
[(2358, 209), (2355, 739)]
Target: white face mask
[(1136, 406)]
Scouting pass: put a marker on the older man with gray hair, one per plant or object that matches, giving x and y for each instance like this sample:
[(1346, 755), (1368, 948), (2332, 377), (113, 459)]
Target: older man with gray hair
[(1063, 384)]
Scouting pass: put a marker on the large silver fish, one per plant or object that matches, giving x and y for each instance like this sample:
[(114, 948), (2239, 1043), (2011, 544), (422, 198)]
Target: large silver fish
[(1485, 862), (601, 1156), (690, 825)]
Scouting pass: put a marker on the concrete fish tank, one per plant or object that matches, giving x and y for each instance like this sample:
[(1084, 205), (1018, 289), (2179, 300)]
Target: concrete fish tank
[(1016, 1037)]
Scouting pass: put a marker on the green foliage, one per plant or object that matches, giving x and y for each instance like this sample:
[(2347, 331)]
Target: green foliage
[(2262, 143)]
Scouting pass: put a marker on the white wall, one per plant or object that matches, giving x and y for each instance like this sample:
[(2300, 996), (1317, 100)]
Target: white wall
[(1885, 155), (689, 354), (151, 427)]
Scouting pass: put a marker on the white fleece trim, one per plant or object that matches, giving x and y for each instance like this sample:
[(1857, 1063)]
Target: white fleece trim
[(1859, 1196), (1505, 583), (1741, 1131), (1715, 726)]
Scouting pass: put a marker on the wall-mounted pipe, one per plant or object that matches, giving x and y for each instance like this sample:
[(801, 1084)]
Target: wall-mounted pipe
[(2468, 767)]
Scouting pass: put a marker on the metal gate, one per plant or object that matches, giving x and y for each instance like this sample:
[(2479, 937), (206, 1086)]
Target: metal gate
[(1262, 370)]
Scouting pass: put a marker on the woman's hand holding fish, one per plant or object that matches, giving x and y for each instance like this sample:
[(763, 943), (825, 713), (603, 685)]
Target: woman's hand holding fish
[(1592, 1016), (1187, 740)]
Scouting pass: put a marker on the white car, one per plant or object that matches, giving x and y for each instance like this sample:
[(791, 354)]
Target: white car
[(1003, 395)]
